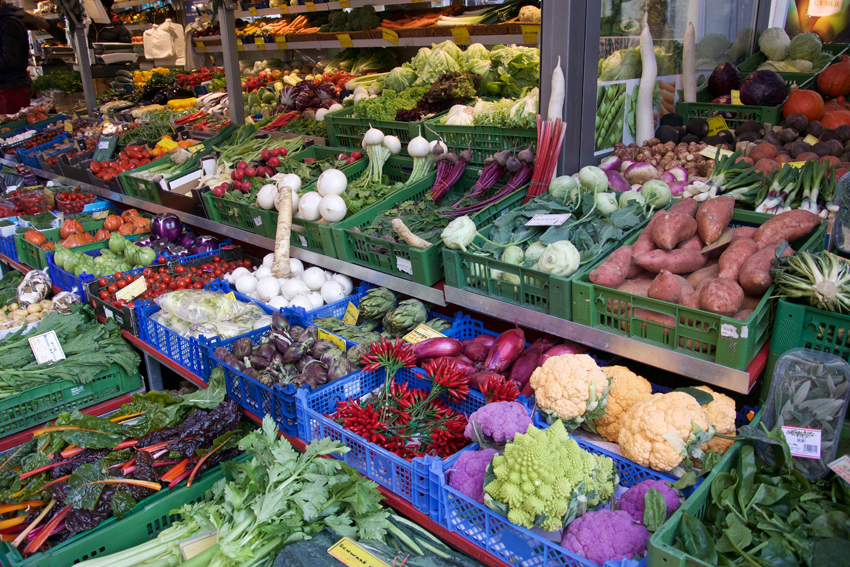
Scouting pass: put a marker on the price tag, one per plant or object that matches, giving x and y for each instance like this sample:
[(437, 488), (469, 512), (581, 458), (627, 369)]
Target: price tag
[(195, 545), (344, 40), (167, 144), (46, 348), (461, 36), (736, 97), (201, 47), (811, 140), (253, 11), (404, 265), (841, 467), (239, 45), (389, 35), (230, 295), (711, 151), (260, 43), (345, 3), (284, 10), (100, 215), (421, 333), (69, 127), (258, 220), (280, 40), (803, 442), (302, 240), (724, 239), (351, 314), (353, 554), (716, 124), (530, 33), (74, 116), (132, 291), (107, 313), (548, 220), (311, 6), (797, 164), (103, 145), (323, 334)]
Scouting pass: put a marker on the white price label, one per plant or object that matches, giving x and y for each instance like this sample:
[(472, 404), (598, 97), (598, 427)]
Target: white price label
[(404, 265), (548, 220), (195, 545), (258, 220), (804, 442), (103, 145), (78, 390), (303, 240), (107, 313), (841, 467), (46, 348)]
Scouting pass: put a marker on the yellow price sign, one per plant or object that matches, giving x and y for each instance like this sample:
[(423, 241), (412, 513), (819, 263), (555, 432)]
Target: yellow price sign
[(797, 164), (284, 10), (344, 40), (530, 33), (716, 124), (389, 35), (239, 45), (253, 11), (280, 40), (311, 6), (201, 46), (811, 140), (352, 554), (323, 334), (736, 97), (260, 43), (75, 117), (461, 36), (345, 3), (351, 314), (421, 333), (230, 295), (69, 126)]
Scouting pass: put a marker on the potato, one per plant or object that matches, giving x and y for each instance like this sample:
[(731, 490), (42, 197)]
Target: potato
[(672, 228), (32, 318), (3, 317), (750, 302), (714, 216), (743, 314), (789, 226), (34, 308), (612, 272), (12, 307), (722, 296), (676, 261), (734, 258), (45, 303)]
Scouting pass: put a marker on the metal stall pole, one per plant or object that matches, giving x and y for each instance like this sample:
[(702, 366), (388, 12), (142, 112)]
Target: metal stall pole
[(84, 63), (231, 62), (570, 29)]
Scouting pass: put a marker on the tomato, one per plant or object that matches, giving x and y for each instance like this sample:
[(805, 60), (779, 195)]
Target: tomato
[(108, 178), (166, 279), (104, 295), (246, 263), (116, 276), (147, 272), (198, 285), (120, 303), (180, 270), (103, 282), (216, 259), (122, 284), (161, 260), (112, 289), (95, 167)]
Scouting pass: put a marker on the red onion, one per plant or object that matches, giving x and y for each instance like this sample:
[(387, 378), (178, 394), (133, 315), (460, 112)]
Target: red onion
[(507, 348), (477, 351), (568, 348), (524, 366), (436, 347), (477, 380)]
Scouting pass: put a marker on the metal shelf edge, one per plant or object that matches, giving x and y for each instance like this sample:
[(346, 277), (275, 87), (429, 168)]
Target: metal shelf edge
[(378, 42)]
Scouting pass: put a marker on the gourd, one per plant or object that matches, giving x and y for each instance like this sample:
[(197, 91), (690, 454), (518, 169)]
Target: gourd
[(835, 119), (835, 80), (805, 102)]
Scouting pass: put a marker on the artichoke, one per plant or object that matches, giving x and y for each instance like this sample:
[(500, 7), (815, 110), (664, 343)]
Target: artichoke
[(407, 316), (439, 325), (369, 325), (267, 377), (377, 303), (331, 355), (354, 353), (339, 368), (242, 348), (307, 334), (294, 353), (320, 347)]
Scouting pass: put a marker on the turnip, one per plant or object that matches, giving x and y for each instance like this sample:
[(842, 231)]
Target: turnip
[(308, 206), (393, 144), (314, 278), (639, 173), (290, 180), (332, 208), (331, 182), (267, 196)]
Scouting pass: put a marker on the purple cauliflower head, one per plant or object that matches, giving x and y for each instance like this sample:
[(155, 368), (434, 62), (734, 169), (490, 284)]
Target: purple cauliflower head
[(467, 474), (606, 536), (500, 421), (633, 500)]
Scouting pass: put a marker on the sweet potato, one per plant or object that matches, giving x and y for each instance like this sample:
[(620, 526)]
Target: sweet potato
[(722, 296), (789, 226), (694, 243), (713, 216), (673, 228), (643, 275), (689, 299), (744, 232), (654, 316), (665, 287), (743, 314), (676, 261), (735, 257), (707, 272), (612, 272), (635, 287), (755, 275), (686, 206), (750, 301), (644, 242)]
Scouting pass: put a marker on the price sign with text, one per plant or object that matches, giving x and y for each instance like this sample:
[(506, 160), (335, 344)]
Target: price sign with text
[(461, 36)]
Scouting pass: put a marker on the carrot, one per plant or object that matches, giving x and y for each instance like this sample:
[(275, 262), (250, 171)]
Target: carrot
[(280, 266)]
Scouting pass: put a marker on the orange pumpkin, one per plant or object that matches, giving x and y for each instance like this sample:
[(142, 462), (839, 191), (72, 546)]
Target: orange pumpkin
[(70, 227), (805, 102), (34, 237), (835, 79), (835, 119), (112, 222), (102, 234), (126, 229)]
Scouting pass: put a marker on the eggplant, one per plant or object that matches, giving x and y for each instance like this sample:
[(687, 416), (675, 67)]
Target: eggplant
[(160, 98)]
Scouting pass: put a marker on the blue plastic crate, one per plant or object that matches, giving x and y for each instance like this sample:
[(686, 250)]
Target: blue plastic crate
[(190, 353), (276, 401), (7, 247), (407, 479), (28, 157)]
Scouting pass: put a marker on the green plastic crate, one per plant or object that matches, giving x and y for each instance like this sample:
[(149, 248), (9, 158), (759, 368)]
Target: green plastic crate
[(404, 261), (316, 237), (536, 290), (36, 257), (752, 64), (14, 128), (661, 550), (147, 189), (346, 131), (722, 340), (483, 141), (39, 405), (150, 517)]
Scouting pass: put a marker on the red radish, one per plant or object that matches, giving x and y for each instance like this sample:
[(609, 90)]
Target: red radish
[(274, 162), (265, 155), (275, 152), (309, 160), (241, 165), (342, 156), (226, 186), (350, 160), (246, 186), (218, 191), (283, 152), (250, 172), (238, 175), (356, 155)]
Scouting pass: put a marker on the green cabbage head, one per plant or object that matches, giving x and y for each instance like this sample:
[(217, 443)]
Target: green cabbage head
[(805, 46), (775, 44)]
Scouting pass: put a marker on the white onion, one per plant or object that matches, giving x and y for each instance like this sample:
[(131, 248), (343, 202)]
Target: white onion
[(296, 268), (314, 278), (268, 260), (303, 302), (246, 284), (262, 272), (316, 299), (347, 284), (268, 287), (333, 291), (278, 302), (293, 288), (238, 272)]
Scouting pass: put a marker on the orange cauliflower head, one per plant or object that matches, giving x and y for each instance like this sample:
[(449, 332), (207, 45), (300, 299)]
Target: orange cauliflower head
[(570, 387), (625, 390), (721, 414), (662, 430)]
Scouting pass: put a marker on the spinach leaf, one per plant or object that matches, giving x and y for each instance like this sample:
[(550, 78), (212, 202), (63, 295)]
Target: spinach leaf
[(697, 540), (655, 511)]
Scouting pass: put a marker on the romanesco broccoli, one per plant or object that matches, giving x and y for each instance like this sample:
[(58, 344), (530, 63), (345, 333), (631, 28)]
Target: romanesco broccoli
[(546, 479)]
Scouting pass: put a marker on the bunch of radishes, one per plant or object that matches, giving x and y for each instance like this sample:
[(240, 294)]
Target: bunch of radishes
[(308, 289)]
